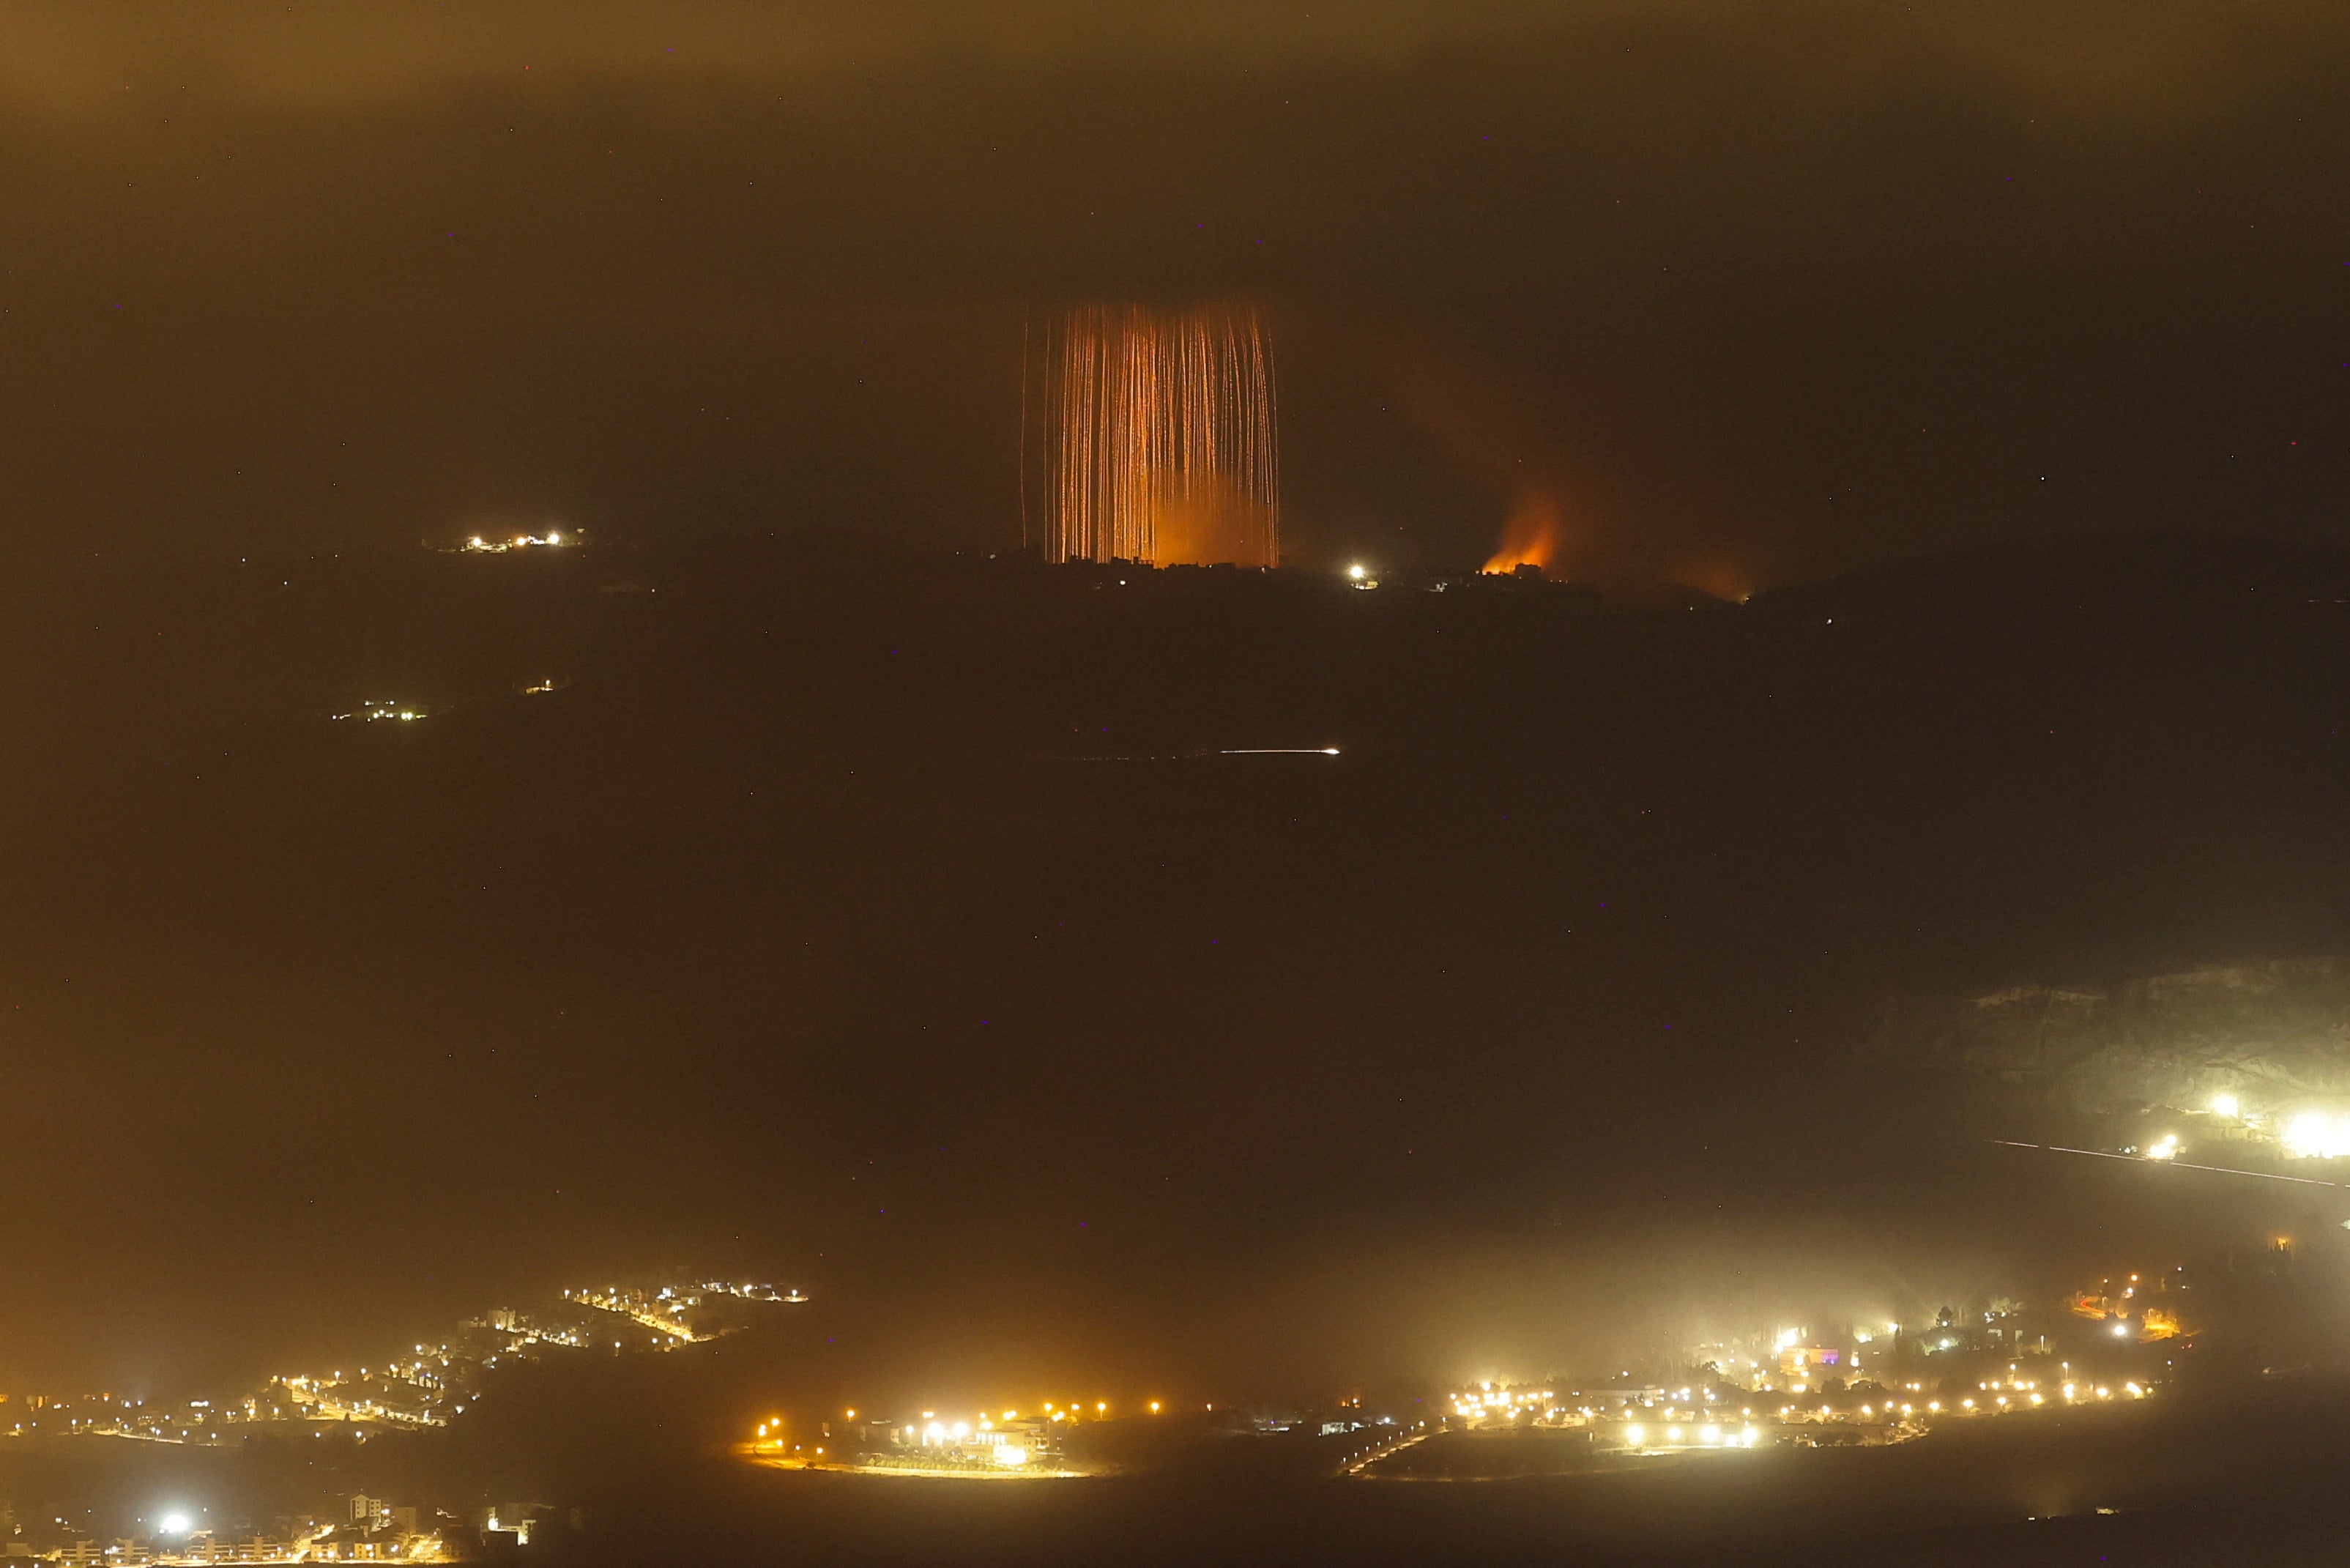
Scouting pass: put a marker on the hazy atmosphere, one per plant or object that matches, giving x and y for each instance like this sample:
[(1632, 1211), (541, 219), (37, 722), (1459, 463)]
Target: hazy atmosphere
[(1541, 715), (1739, 296)]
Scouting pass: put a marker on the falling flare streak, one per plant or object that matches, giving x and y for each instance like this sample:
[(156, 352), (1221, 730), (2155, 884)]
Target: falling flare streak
[(1160, 436)]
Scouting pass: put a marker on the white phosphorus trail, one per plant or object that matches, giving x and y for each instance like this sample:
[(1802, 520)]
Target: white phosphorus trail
[(1158, 437)]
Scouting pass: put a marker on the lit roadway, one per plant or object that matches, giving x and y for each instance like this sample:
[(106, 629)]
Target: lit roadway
[(1354, 1465), (645, 1315)]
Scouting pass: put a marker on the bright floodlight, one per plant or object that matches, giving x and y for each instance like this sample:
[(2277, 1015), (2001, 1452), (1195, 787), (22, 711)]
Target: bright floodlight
[(175, 1523), (1357, 573), (2313, 1135), (2226, 1106), (2121, 1329)]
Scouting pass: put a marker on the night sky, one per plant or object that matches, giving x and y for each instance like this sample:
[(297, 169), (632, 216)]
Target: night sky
[(1745, 297), (842, 919)]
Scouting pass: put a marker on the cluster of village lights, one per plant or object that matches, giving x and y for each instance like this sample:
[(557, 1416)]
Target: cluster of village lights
[(1689, 1417), (2304, 1135), (1003, 1447), (551, 539), (1487, 1400), (374, 708), (1004, 1439), (1708, 1436)]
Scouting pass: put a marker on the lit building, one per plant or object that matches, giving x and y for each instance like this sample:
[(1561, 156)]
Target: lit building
[(1814, 1363)]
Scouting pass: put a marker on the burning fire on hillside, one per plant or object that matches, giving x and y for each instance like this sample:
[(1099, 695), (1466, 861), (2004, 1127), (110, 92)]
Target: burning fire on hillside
[(1530, 536)]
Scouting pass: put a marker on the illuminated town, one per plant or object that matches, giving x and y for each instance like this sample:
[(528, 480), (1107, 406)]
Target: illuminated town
[(425, 1387), (1825, 1395), (356, 1527), (428, 1385), (2111, 1343), (2108, 1344)]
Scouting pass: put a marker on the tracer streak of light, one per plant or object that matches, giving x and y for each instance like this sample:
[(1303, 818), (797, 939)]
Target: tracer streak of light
[(1279, 752), (2178, 1164)]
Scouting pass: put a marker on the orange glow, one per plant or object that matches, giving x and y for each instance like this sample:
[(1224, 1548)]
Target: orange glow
[(1721, 581), (1530, 536)]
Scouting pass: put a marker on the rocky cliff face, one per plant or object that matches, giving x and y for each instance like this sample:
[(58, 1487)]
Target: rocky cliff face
[(2275, 1036)]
